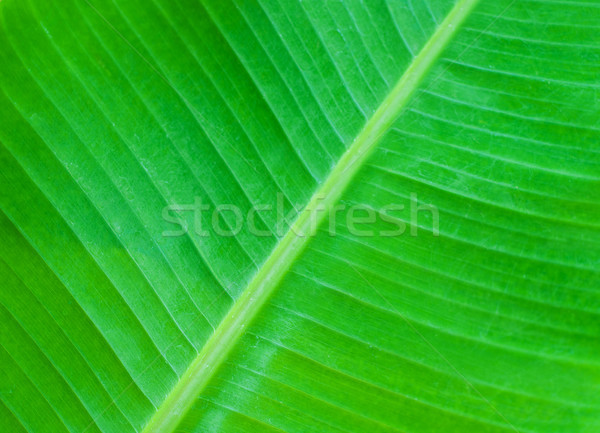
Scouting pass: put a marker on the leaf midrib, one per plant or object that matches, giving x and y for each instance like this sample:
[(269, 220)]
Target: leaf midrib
[(266, 280)]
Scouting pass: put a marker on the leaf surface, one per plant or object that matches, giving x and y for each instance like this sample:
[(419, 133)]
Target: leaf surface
[(114, 111)]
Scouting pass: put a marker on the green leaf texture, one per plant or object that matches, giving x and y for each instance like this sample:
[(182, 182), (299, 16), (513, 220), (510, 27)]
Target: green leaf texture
[(112, 110)]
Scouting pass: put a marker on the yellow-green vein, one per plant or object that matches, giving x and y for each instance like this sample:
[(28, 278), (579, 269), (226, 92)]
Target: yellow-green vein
[(266, 280)]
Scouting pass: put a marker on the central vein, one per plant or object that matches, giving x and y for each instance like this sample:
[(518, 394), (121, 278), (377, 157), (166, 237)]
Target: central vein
[(289, 248)]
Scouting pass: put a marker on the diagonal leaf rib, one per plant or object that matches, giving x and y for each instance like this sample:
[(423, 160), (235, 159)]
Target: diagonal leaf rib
[(266, 280)]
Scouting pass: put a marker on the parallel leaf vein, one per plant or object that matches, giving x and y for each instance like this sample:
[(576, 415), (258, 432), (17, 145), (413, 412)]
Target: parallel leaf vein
[(289, 248)]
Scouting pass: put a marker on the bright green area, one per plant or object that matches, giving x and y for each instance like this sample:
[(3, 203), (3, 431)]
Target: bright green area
[(112, 110)]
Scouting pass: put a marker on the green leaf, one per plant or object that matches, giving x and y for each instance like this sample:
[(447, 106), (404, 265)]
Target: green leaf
[(406, 235)]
